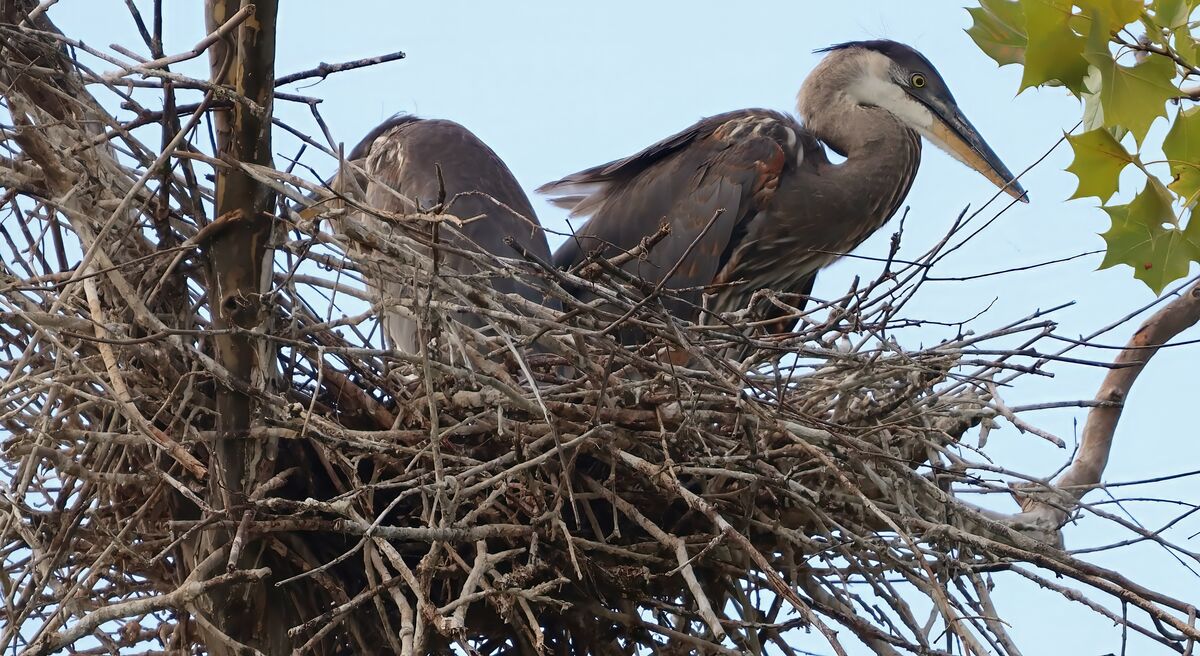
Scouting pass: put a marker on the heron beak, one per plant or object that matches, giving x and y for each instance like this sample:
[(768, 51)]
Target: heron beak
[(953, 132)]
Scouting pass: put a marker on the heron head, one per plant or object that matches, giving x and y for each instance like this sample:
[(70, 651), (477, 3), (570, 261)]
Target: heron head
[(894, 77)]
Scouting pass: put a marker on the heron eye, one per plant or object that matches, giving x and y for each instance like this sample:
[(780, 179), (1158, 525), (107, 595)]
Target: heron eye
[(917, 80)]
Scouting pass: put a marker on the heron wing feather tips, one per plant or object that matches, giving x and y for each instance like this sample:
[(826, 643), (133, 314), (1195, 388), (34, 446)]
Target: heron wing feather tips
[(708, 181), (591, 186)]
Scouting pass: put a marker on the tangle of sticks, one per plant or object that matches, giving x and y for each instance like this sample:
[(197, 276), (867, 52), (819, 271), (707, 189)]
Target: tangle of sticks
[(530, 487)]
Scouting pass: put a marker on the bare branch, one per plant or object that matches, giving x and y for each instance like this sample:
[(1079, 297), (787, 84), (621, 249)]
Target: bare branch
[(1087, 471)]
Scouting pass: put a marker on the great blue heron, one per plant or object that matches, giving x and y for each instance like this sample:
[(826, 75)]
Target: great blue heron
[(782, 209), (426, 161)]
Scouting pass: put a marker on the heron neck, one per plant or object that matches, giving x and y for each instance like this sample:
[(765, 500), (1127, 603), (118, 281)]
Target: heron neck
[(882, 155)]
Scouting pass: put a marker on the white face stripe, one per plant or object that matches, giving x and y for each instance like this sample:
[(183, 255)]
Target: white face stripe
[(876, 87)]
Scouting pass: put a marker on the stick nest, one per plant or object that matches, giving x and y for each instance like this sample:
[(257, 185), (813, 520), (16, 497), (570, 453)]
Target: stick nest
[(530, 487)]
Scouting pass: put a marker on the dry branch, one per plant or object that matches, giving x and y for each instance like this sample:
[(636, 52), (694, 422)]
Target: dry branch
[(1087, 470)]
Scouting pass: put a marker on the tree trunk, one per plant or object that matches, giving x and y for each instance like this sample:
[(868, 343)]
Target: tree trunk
[(239, 266)]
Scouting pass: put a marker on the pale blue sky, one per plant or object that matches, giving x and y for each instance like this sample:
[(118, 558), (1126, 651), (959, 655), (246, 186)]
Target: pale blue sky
[(555, 87)]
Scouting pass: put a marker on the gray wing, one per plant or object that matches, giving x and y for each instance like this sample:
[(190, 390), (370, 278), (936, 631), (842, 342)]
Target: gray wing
[(426, 160), (730, 163)]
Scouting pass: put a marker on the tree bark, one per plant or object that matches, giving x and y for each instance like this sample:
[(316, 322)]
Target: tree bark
[(1086, 472), (255, 614)]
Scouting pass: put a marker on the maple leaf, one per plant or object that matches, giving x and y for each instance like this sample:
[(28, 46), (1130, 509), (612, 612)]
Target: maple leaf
[(1099, 160), (1182, 148), (1113, 14), (1131, 97), (1145, 234), (1055, 51), (998, 28)]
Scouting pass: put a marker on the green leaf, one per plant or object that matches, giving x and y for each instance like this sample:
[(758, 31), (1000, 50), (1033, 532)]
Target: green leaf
[(1171, 14), (1191, 235), (1186, 46), (1055, 51), (1099, 160), (998, 29), (1131, 96), (1114, 14), (1093, 112), (1145, 235), (1182, 148)]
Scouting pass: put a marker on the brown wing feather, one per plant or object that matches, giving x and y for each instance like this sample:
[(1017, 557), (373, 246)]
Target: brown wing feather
[(729, 163)]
